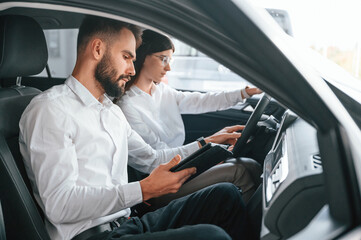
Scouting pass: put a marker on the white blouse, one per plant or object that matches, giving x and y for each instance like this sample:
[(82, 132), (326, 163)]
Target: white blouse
[(157, 117)]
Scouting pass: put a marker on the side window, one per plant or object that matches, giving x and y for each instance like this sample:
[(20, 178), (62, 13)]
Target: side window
[(193, 70), (184, 49), (61, 51)]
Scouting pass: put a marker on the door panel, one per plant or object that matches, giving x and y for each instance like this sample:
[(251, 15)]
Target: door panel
[(206, 124)]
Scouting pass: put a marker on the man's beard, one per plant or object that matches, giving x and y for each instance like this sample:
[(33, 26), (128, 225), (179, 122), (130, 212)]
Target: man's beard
[(105, 74)]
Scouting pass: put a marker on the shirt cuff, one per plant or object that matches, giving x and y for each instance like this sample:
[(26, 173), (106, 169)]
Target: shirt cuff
[(190, 148), (244, 93), (132, 194)]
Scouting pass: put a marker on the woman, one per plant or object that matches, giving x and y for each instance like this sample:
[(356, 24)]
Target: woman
[(154, 110)]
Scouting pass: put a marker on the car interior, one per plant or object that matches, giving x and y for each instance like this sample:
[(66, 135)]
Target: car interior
[(20, 32), (2, 225), (291, 188)]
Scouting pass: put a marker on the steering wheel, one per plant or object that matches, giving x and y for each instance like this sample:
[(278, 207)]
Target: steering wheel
[(251, 126)]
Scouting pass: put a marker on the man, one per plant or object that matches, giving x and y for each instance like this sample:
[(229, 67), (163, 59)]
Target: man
[(75, 145)]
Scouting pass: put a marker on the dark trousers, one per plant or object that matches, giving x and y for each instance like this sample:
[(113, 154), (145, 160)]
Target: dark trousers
[(215, 212)]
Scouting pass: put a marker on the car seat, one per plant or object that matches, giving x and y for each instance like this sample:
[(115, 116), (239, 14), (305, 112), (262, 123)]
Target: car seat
[(23, 53)]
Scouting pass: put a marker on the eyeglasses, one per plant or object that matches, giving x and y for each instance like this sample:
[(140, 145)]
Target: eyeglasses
[(165, 59)]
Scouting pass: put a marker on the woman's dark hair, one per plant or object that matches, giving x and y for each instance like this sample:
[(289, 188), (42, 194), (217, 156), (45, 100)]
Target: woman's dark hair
[(152, 42)]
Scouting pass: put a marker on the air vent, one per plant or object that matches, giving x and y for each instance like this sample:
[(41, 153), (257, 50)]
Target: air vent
[(316, 161)]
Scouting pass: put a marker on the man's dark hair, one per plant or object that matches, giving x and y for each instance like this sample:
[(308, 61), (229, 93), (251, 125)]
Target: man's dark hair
[(152, 42), (104, 28)]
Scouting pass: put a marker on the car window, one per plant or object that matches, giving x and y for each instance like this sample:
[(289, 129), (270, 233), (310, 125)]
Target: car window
[(62, 52), (193, 70)]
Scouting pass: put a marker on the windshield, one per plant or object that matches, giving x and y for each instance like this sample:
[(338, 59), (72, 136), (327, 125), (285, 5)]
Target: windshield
[(330, 28)]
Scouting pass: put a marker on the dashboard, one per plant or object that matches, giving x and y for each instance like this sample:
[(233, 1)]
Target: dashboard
[(293, 188)]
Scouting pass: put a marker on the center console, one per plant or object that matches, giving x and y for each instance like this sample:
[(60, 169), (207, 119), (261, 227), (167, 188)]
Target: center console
[(293, 189)]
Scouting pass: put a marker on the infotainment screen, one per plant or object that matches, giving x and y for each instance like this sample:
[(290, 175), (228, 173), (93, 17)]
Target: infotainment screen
[(287, 119)]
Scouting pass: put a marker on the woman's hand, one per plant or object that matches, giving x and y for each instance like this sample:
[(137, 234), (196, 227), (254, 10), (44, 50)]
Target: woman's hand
[(227, 135), (252, 91)]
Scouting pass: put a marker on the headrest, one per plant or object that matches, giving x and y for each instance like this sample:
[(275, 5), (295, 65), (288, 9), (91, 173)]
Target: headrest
[(23, 49)]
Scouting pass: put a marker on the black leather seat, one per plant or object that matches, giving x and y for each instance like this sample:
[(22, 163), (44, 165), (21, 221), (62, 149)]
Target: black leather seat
[(18, 56), (18, 90), (23, 53)]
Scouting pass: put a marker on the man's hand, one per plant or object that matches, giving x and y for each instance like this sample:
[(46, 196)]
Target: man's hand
[(161, 181), (227, 135)]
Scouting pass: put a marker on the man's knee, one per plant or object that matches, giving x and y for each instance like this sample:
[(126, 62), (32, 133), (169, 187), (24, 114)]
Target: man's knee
[(226, 188), (207, 231), (226, 192)]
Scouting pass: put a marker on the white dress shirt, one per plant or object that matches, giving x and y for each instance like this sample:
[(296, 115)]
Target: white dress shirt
[(75, 150), (157, 117)]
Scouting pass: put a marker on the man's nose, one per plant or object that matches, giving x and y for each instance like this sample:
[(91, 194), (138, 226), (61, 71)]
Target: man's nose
[(131, 70)]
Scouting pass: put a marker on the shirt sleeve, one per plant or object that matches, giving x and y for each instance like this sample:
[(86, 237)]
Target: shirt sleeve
[(144, 158), (150, 136), (48, 148), (196, 102)]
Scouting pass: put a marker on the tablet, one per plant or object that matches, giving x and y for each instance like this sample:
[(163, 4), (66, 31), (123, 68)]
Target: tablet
[(186, 161), (203, 159)]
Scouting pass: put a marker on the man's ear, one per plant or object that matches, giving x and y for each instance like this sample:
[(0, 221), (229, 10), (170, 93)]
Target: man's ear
[(98, 48)]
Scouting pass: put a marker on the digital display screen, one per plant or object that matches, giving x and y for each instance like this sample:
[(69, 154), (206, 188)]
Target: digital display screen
[(276, 164), (287, 119), (278, 152)]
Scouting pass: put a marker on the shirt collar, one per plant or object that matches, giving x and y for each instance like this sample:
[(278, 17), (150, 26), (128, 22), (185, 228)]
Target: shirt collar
[(154, 88), (84, 95), (137, 90)]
